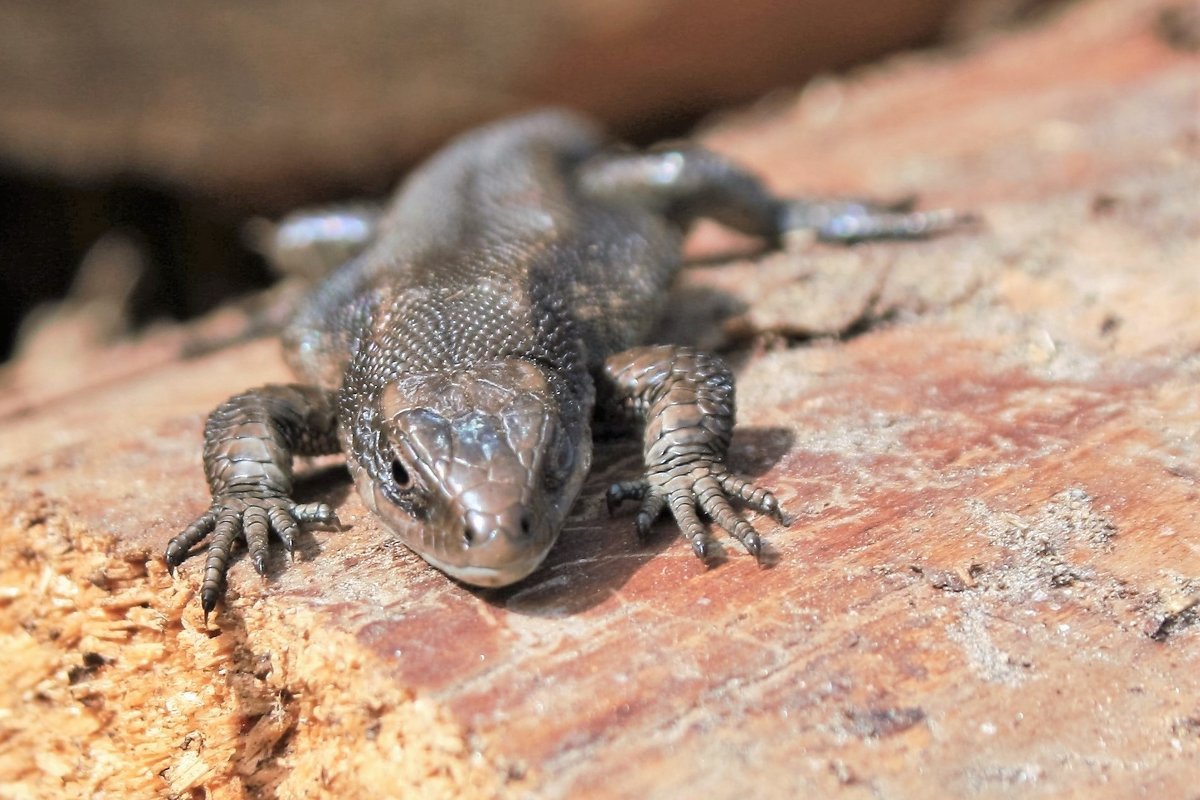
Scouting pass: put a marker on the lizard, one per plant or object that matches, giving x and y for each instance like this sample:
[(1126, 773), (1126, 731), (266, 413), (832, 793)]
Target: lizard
[(481, 324)]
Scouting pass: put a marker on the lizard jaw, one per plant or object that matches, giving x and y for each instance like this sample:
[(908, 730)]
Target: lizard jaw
[(487, 577)]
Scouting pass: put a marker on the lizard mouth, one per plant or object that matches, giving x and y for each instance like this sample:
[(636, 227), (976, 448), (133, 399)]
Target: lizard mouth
[(487, 577)]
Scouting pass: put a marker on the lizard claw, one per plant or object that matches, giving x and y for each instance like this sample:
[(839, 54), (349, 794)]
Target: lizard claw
[(703, 486), (642, 522), (250, 519), (652, 503)]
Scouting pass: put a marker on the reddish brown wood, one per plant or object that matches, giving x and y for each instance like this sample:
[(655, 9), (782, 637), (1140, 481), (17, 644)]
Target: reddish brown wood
[(991, 582)]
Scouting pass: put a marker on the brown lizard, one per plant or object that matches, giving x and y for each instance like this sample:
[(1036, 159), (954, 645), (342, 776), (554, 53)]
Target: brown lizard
[(495, 307)]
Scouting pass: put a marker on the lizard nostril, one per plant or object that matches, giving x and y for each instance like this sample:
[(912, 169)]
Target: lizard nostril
[(474, 536), (471, 536)]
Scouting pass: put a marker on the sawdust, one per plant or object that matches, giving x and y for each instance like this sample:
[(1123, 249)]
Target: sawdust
[(1040, 562), (1041, 543), (113, 687), (988, 660), (1173, 608), (1007, 776)]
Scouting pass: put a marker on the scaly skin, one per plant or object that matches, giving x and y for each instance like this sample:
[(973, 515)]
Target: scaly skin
[(457, 360)]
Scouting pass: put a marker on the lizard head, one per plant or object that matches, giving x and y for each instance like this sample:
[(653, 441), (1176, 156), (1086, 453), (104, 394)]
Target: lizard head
[(476, 469)]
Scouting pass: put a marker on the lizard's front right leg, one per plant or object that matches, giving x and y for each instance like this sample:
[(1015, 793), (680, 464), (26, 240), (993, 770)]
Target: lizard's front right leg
[(249, 443)]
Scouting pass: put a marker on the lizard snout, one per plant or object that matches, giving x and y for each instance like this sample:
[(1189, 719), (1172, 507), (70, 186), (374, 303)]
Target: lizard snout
[(477, 535), (486, 469), (498, 504)]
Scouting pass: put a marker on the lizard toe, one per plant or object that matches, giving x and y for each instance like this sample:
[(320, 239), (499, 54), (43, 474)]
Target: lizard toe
[(181, 544), (683, 508), (216, 566), (751, 494), (719, 509), (653, 505), (625, 490), (285, 527), (320, 513), (256, 527)]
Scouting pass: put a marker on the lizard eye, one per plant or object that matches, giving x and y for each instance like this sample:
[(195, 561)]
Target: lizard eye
[(558, 466), (402, 488), (401, 475)]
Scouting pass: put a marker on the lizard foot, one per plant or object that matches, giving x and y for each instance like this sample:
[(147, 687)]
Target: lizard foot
[(240, 517), (703, 485), (850, 221)]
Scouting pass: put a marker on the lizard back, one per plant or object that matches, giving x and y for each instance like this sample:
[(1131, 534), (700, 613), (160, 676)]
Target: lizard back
[(492, 250)]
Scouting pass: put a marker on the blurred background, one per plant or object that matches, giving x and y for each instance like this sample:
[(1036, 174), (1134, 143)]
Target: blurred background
[(136, 139)]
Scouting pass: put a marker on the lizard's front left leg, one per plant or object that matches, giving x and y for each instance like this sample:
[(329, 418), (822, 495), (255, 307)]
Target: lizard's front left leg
[(686, 399), (249, 443)]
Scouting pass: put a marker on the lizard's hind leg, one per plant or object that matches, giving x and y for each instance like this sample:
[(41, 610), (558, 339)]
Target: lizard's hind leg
[(687, 182)]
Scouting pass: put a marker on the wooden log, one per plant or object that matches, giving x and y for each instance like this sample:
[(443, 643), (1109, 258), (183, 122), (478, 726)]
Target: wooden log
[(990, 585)]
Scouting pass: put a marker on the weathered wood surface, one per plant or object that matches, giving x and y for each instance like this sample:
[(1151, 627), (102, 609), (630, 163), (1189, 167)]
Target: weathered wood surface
[(988, 443)]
